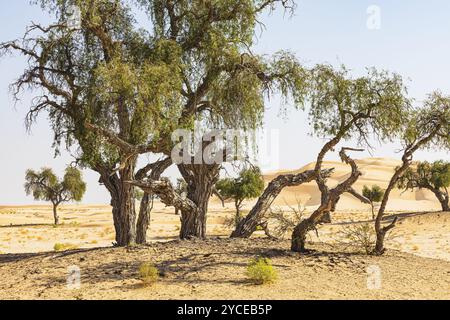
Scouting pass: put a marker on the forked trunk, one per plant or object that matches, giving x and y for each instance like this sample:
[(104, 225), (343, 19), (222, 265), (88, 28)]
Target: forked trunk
[(249, 223)]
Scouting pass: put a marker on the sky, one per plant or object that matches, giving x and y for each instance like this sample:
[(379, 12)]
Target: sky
[(410, 37)]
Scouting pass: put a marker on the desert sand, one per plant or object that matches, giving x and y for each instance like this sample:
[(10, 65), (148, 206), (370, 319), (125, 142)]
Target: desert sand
[(416, 266)]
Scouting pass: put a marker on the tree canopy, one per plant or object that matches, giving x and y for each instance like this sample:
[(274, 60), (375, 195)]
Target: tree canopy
[(45, 185), (248, 185)]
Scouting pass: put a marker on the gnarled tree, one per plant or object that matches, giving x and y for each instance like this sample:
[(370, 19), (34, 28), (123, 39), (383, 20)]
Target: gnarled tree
[(114, 90), (342, 108), (224, 83), (426, 127)]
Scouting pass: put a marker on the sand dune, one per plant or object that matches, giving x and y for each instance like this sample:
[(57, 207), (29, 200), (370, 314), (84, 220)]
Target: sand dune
[(374, 171)]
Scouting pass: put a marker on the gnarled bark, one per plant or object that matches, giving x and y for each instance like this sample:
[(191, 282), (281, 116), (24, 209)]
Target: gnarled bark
[(154, 172), (200, 179), (442, 197), (248, 225), (328, 203), (406, 163), (122, 202)]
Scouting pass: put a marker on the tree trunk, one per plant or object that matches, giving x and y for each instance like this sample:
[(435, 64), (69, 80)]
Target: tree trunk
[(249, 224), (373, 210), (123, 203), (329, 200), (156, 170), (443, 199), (200, 179), (143, 221), (298, 240), (55, 214)]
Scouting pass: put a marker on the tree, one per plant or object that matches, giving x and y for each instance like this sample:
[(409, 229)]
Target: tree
[(426, 127), (432, 176), (45, 185), (248, 185), (343, 107), (114, 90), (224, 85), (373, 194), (151, 171)]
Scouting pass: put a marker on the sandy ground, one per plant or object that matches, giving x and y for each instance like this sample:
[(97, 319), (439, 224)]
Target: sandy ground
[(417, 265), (215, 269)]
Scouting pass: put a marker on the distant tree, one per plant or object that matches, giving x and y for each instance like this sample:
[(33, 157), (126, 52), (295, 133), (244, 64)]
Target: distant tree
[(248, 185), (432, 176), (45, 185), (373, 194)]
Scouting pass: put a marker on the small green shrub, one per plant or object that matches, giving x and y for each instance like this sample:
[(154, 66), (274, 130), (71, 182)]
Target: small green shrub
[(260, 271), (148, 273)]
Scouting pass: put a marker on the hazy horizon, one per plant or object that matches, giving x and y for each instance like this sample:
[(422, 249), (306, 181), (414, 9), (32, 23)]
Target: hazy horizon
[(410, 41)]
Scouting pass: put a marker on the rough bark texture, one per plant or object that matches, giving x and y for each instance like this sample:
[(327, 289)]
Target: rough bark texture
[(152, 171), (143, 221), (122, 202), (248, 225), (328, 204), (200, 181), (406, 163), (443, 198)]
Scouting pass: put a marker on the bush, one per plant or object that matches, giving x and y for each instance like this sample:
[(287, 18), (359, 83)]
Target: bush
[(361, 236), (148, 273), (64, 246), (260, 271)]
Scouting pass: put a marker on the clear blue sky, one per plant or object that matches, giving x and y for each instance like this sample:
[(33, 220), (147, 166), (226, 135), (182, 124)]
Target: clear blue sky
[(413, 40)]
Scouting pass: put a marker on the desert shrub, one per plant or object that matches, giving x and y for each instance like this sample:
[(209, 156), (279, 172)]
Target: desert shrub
[(260, 271), (148, 273), (281, 222), (64, 246), (360, 236)]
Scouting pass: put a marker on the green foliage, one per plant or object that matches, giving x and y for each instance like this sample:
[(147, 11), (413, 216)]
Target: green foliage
[(374, 194), (139, 82), (249, 184), (374, 104), (429, 123), (45, 185), (260, 271), (148, 273), (360, 236), (435, 175)]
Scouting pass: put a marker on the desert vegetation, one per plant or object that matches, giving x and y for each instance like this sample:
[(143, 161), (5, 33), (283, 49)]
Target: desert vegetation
[(118, 94)]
